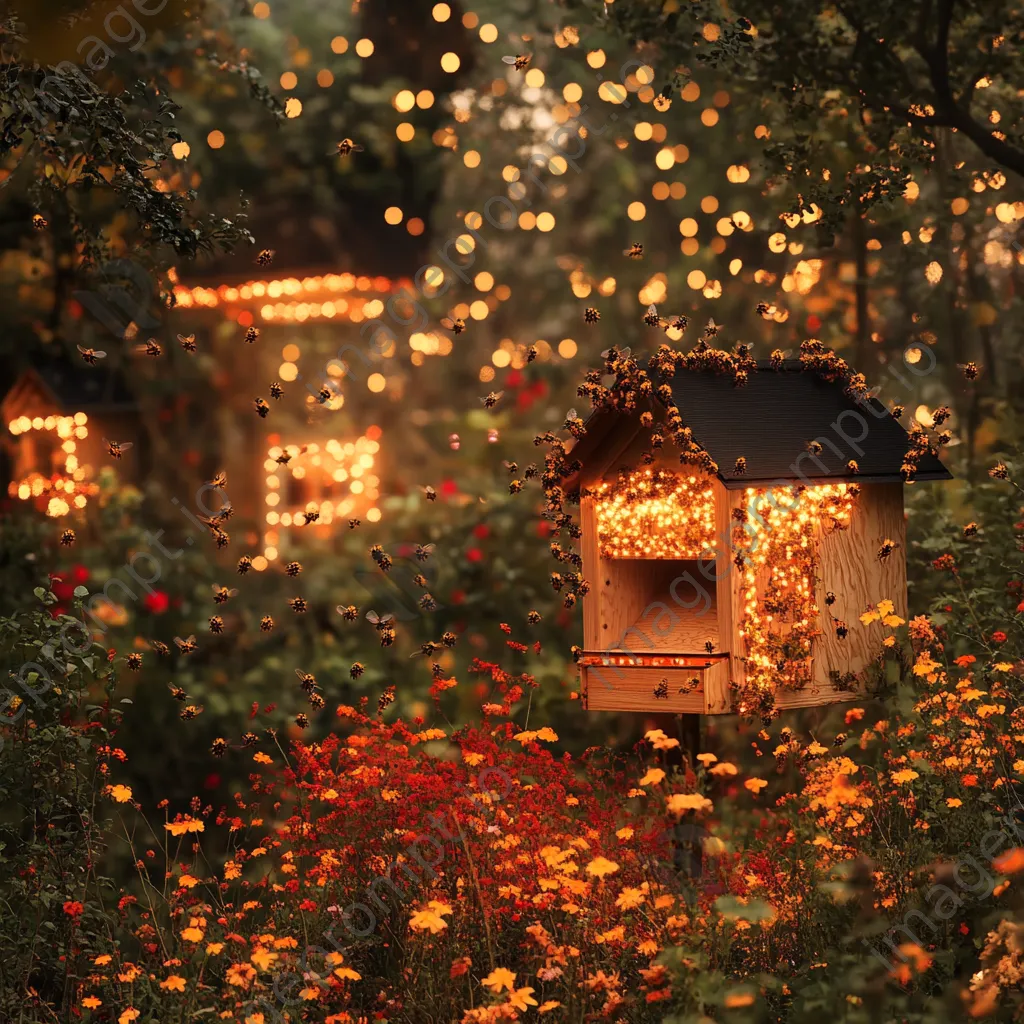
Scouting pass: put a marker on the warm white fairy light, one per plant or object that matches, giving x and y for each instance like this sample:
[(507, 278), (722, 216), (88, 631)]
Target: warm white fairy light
[(780, 541), (342, 468), (62, 491), (656, 514)]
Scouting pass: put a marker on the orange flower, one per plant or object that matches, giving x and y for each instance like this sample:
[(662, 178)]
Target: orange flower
[(1010, 862), (499, 978), (129, 1015), (755, 785), (600, 867), (91, 1002), (122, 794), (173, 983)]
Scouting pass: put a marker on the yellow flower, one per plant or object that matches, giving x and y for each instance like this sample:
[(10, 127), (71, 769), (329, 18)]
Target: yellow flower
[(128, 973), (925, 666), (102, 960), (263, 958), (471, 758), (624, 833), (256, 1018), (129, 1015), (1003, 666), (329, 794), (122, 794), (679, 802), (954, 801), (427, 920), (629, 898), (893, 621), (725, 768), (189, 824), (309, 993), (547, 734), (347, 972), (260, 758), (173, 983), (736, 999), (213, 948), (886, 607), (653, 777), (525, 737), (499, 978), (659, 740), (231, 870), (706, 759), (906, 775), (548, 1006), (755, 785), (91, 1002), (522, 998), (188, 882), (599, 867), (870, 616), (193, 934)]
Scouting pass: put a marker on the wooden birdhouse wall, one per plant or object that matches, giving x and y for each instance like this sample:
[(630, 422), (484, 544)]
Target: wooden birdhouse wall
[(644, 623)]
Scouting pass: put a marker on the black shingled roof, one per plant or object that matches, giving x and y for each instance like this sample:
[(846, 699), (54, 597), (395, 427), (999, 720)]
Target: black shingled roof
[(770, 420)]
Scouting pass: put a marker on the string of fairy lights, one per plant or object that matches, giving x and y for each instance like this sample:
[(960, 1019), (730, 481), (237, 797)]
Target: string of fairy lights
[(656, 514), (780, 550), (61, 491)]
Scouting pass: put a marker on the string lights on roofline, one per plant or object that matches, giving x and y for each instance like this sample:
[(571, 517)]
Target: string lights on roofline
[(62, 491)]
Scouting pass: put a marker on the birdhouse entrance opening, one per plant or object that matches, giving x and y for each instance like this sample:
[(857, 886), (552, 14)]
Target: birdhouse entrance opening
[(661, 606)]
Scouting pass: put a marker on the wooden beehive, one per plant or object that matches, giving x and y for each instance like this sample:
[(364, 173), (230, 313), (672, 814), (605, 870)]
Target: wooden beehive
[(672, 622)]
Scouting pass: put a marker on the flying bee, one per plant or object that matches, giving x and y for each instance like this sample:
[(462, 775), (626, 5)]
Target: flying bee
[(261, 407), (614, 355), (115, 449), (897, 411), (356, 670), (709, 646), (347, 146), (424, 551), (531, 353), (763, 309), (531, 472), (310, 516), (216, 624), (430, 493), (515, 486), (635, 251), (448, 638), (969, 370), (220, 480), (711, 329), (306, 680), (178, 693), (276, 391), (67, 538), (186, 646), (814, 447), (353, 523), (293, 568), (244, 565), (427, 650), (661, 690), (221, 595), (830, 598), (190, 711), (887, 548), (491, 399), (519, 61), (187, 342), (387, 637), (265, 257), (454, 324), (842, 630), (324, 395), (151, 348), (512, 467), (420, 580), (591, 315), (427, 603), (90, 355), (348, 612), (252, 335), (298, 605), (380, 622), (386, 699), (39, 222), (160, 647)]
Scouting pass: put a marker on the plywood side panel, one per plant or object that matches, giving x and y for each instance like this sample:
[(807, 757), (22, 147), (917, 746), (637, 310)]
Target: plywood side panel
[(626, 593), (621, 688), (592, 572), (717, 691), (813, 696), (850, 568)]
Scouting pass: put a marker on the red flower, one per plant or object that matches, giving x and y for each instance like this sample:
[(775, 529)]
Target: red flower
[(80, 574), (1020, 607), (212, 781), (513, 379), (64, 591), (481, 531), (157, 602), (449, 487), (813, 323), (474, 554), (457, 596), (73, 909), (999, 637)]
